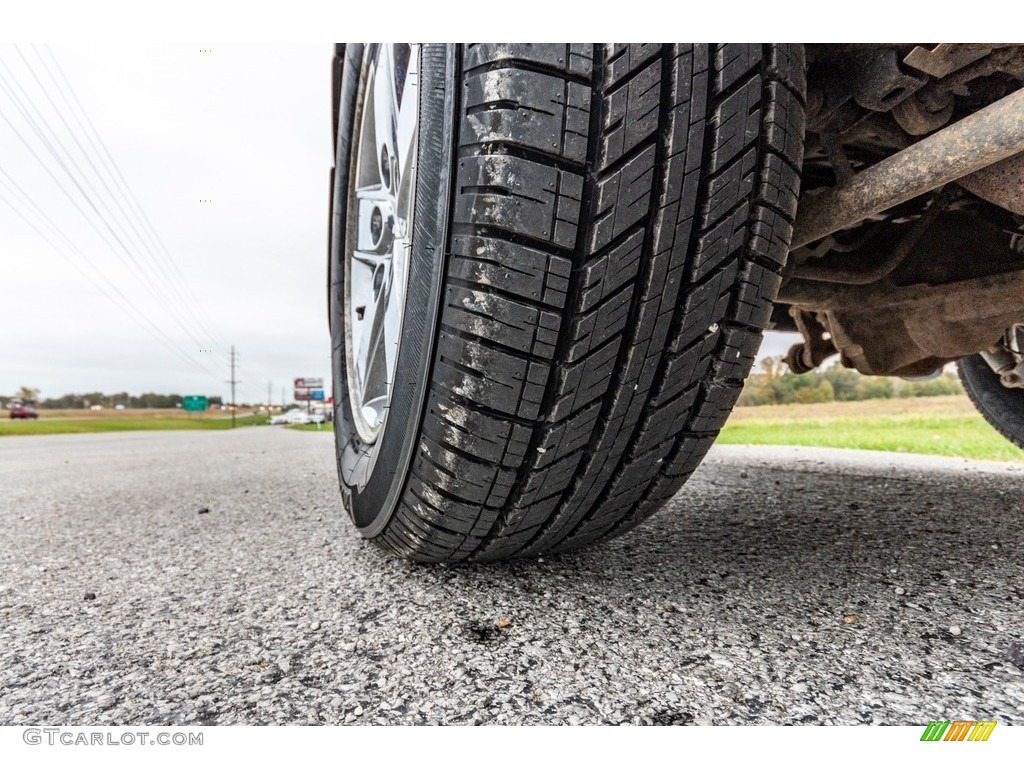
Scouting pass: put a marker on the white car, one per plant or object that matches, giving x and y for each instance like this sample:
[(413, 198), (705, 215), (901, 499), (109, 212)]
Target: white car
[(296, 416)]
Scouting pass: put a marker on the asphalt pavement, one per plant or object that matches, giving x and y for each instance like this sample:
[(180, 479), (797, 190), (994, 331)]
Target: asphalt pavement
[(782, 585)]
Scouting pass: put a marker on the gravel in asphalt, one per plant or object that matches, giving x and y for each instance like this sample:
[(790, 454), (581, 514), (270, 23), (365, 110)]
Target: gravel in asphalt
[(782, 585)]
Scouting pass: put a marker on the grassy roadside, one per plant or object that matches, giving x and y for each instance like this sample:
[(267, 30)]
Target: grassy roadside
[(942, 426), (157, 420)]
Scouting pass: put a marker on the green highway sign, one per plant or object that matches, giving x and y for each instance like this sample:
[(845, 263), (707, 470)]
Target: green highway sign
[(194, 402)]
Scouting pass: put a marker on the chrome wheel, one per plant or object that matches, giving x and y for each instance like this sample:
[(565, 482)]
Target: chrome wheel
[(379, 229)]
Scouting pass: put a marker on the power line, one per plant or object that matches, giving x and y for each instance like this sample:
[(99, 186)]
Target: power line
[(107, 159), (85, 195), (139, 230), (100, 176), (154, 330), (159, 335)]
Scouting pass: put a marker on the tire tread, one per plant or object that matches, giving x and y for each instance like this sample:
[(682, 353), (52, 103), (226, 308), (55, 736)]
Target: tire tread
[(621, 215)]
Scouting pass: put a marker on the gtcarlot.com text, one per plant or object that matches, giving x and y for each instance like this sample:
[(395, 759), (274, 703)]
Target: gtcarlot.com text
[(107, 738)]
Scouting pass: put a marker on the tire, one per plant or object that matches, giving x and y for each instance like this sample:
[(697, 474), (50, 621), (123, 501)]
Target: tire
[(1001, 406), (599, 233)]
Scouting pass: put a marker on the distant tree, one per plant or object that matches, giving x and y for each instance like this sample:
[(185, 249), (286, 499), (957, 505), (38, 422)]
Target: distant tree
[(875, 388), (772, 368), (772, 383), (94, 398), (155, 400), (844, 381), (785, 386), (28, 393), (755, 393), (903, 389), (946, 384), (64, 401), (145, 400), (788, 387), (820, 393)]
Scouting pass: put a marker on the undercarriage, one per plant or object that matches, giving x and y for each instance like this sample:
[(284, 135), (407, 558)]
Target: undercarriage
[(908, 248)]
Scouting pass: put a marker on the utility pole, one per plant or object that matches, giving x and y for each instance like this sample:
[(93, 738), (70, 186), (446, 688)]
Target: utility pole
[(232, 381), (269, 384)]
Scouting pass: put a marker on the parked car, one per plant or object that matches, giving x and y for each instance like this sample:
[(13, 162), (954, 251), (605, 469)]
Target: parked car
[(23, 412), (296, 416)]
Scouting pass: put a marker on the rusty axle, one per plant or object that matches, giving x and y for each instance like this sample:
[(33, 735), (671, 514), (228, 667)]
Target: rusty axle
[(976, 142)]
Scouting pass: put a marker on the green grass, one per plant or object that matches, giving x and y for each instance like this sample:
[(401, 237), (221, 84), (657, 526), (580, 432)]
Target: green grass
[(942, 434), (944, 426), (51, 426)]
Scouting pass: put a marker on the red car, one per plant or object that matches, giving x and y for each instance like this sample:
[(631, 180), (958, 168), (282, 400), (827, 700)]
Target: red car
[(23, 412)]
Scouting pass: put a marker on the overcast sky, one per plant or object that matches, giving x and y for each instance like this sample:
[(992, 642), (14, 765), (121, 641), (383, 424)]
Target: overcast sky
[(244, 127)]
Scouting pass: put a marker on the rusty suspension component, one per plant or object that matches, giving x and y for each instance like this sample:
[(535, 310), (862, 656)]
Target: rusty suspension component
[(970, 145)]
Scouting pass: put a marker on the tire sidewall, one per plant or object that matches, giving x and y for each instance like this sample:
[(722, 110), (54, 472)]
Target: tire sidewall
[(372, 478), (1001, 406)]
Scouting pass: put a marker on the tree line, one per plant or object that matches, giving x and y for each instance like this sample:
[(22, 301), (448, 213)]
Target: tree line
[(773, 383), (107, 400)]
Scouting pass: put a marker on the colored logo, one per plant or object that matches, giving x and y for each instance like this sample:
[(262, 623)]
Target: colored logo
[(958, 730)]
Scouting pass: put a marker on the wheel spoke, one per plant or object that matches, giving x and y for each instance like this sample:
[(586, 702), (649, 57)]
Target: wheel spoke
[(372, 259), (362, 308), (368, 173), (406, 132), (375, 382), (385, 115)]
